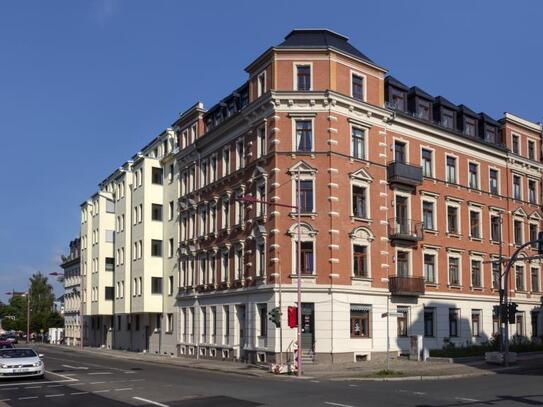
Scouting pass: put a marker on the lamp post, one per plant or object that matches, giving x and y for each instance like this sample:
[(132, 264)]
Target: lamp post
[(27, 295), (252, 200)]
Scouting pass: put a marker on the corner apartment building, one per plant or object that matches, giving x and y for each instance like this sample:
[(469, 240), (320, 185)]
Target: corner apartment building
[(406, 202), (71, 266)]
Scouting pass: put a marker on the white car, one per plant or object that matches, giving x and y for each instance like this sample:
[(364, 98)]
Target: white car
[(20, 362)]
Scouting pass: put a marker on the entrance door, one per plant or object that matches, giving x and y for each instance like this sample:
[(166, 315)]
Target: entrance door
[(308, 326), (402, 221)]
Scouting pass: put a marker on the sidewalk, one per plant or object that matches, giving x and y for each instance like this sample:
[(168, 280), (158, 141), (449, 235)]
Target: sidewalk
[(367, 370)]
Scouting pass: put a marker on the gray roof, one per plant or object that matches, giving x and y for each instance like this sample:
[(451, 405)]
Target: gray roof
[(320, 38)]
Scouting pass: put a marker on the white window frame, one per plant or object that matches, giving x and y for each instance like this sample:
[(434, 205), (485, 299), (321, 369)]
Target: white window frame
[(433, 201), (431, 252), (362, 237), (295, 66), (261, 140), (294, 136), (458, 206), (407, 148), (366, 144), (478, 175), (361, 183), (226, 168), (521, 197), (433, 163), (364, 84), (240, 159), (456, 169), (304, 176), (261, 88), (258, 242), (480, 259), (480, 212), (513, 135), (409, 251), (458, 256), (308, 234)]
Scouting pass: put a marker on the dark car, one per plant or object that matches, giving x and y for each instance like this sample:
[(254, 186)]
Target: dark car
[(11, 338), (6, 344)]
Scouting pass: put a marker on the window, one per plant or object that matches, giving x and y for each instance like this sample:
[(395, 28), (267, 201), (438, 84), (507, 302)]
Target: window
[(493, 181), (476, 280), (469, 127), (226, 161), (534, 279), (156, 212), (225, 213), (360, 259), (400, 154), (428, 215), (454, 271), (402, 264), (170, 285), (495, 228), (261, 141), (261, 260), (240, 154), (516, 187), (110, 206), (517, 230), (531, 150), (169, 323), (515, 144), (531, 192), (357, 87), (429, 322), (402, 321), (533, 234), (358, 143), (263, 319), (519, 324), (519, 278), (306, 257), (170, 247), (475, 224), (359, 201), (224, 267), (534, 317), (304, 136), (452, 219), (360, 321), (110, 264), (156, 248), (430, 268), (496, 274), (303, 74), (170, 210), (170, 174), (261, 196), (427, 162), (476, 322), (261, 83), (156, 175), (305, 199), (156, 285), (454, 316), (473, 175), (140, 213), (451, 169), (110, 236), (109, 293), (239, 264)]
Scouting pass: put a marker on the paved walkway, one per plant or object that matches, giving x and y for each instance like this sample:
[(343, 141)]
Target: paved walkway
[(343, 371)]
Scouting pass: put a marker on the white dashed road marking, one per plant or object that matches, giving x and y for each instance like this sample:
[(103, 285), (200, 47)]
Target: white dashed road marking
[(32, 387), (54, 395), (28, 398), (76, 367), (156, 403), (101, 391), (77, 393), (465, 399), (337, 404), (124, 389), (99, 373)]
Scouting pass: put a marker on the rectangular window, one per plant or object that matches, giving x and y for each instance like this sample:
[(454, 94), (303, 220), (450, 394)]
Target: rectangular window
[(170, 210), (261, 141), (531, 150), (451, 169), (304, 136), (306, 257), (261, 84), (427, 162), (535, 329), (359, 201), (534, 279), (515, 147), (517, 229), (400, 153), (156, 285), (476, 273), (110, 206), (360, 321), (261, 196), (495, 228), (473, 175), (156, 248), (360, 261), (402, 321), (358, 143), (496, 274), (358, 87), (531, 192), (156, 175), (303, 74), (475, 224), (454, 316), (261, 260), (428, 215), (519, 324), (476, 322), (429, 322), (263, 319), (305, 200), (430, 268), (225, 213), (454, 271), (169, 323), (226, 161), (170, 285), (452, 219), (519, 278), (533, 236), (170, 247), (402, 264), (110, 236), (110, 264), (156, 212), (109, 293), (516, 187), (240, 154), (493, 181)]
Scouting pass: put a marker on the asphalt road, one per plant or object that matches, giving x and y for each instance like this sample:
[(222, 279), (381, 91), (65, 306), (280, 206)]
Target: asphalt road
[(82, 379)]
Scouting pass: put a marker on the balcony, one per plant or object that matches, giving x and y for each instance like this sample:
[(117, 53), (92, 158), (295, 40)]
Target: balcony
[(412, 286), (404, 175), (404, 232)]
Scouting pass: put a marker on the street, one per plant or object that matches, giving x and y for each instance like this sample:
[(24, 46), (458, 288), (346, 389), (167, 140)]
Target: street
[(89, 380)]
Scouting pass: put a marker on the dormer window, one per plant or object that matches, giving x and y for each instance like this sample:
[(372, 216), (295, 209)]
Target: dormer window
[(469, 127), (261, 84), (531, 150), (357, 87), (447, 119), (303, 76), (515, 144), (490, 135), (398, 100), (423, 110)]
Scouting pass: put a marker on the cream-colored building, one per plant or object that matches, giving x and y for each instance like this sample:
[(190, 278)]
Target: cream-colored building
[(71, 266)]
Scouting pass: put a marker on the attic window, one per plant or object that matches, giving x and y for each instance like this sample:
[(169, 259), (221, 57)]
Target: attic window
[(303, 75), (357, 87)]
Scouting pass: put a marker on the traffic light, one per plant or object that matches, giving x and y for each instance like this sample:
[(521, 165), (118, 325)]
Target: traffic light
[(512, 312), (275, 316), (292, 317), (540, 243)]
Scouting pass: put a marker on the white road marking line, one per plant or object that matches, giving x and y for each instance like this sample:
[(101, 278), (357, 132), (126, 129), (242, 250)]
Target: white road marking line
[(31, 387), (28, 398), (315, 381), (76, 367), (419, 393), (124, 389), (465, 399), (99, 373), (56, 385), (68, 379), (337, 404), (77, 393), (101, 391), (95, 383), (127, 372), (89, 364), (156, 403), (54, 395), (5, 399), (133, 380), (11, 388)]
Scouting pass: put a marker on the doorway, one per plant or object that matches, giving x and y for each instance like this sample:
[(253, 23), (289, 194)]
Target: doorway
[(308, 326)]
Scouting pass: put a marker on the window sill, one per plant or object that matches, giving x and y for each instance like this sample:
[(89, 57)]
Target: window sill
[(455, 286), (430, 284), (477, 288), (359, 219), (455, 235), (304, 276), (311, 215), (360, 337), (431, 231), (475, 239), (359, 278)]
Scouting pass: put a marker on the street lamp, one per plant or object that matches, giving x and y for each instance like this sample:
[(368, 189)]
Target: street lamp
[(27, 295), (251, 200)]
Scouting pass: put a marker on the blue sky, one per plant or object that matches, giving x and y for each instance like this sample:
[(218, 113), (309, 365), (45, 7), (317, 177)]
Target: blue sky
[(85, 84)]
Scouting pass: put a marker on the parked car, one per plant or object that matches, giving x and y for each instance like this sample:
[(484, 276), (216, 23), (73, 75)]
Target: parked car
[(6, 344), (21, 362), (11, 338)]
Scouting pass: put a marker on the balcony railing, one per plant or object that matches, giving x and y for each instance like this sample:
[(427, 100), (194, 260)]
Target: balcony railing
[(407, 230), (404, 174), (406, 285)]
